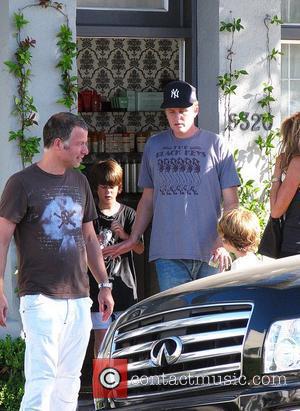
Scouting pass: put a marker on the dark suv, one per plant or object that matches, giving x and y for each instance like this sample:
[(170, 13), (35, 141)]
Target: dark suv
[(227, 342)]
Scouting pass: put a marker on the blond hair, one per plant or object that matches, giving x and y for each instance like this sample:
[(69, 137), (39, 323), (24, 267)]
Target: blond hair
[(290, 143), (240, 227)]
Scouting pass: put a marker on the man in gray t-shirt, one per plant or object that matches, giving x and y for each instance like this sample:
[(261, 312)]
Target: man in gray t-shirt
[(186, 174)]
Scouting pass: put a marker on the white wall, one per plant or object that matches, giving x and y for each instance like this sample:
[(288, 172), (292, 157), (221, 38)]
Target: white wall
[(9, 160), (250, 54), (43, 27)]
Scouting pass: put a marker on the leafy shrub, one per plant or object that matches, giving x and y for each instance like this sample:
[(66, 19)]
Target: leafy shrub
[(11, 373)]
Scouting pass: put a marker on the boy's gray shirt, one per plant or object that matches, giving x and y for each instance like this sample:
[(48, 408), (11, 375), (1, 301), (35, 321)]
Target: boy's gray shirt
[(188, 176)]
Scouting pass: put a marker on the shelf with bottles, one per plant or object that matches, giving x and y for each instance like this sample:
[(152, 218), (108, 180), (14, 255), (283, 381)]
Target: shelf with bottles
[(100, 142), (122, 158), (125, 147), (111, 123), (90, 101), (100, 107), (120, 110)]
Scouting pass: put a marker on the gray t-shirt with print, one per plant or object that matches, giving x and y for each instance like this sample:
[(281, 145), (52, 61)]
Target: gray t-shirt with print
[(188, 176), (49, 211)]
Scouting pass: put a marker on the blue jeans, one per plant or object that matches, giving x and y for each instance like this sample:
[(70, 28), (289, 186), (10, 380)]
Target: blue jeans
[(171, 273)]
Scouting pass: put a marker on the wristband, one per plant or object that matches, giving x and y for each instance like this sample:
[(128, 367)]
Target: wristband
[(105, 285)]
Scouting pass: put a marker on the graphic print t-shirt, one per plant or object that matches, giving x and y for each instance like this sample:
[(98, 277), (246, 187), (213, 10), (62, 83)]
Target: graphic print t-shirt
[(120, 270), (187, 176), (49, 211)]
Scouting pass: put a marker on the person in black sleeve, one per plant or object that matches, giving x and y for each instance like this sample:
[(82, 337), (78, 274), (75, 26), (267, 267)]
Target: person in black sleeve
[(112, 226)]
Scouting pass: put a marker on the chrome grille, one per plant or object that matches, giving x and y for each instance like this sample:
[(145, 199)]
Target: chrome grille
[(211, 343)]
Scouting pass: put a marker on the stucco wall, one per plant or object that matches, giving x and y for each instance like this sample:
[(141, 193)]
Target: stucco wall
[(9, 159), (43, 27), (250, 54)]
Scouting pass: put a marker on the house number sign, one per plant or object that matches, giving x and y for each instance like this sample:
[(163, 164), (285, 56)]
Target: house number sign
[(254, 122)]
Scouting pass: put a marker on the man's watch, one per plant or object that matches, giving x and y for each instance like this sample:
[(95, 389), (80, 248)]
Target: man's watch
[(106, 284)]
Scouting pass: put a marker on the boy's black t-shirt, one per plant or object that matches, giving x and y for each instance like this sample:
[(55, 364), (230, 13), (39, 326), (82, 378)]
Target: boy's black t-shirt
[(120, 270)]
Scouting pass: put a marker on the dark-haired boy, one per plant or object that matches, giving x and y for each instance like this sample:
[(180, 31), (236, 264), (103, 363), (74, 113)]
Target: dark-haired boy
[(113, 225)]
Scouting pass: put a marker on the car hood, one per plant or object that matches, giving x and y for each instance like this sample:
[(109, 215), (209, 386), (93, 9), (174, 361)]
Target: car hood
[(270, 282)]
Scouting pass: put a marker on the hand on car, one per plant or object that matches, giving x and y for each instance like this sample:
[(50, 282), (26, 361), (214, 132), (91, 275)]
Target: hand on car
[(223, 257)]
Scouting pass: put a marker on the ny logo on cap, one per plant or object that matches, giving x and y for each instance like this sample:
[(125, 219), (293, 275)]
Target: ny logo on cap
[(174, 93)]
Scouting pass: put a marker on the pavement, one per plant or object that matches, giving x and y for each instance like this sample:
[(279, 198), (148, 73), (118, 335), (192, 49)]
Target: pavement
[(86, 405), (86, 401)]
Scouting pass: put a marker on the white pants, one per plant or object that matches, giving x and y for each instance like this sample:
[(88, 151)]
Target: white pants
[(57, 333)]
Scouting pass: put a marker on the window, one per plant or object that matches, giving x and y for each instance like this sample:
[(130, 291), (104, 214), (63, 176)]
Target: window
[(127, 5), (290, 60), (290, 11), (290, 78)]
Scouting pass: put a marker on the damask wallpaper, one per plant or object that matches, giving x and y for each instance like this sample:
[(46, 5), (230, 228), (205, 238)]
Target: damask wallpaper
[(112, 65)]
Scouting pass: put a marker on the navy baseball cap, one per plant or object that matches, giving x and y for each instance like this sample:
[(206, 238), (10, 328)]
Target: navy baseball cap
[(179, 94)]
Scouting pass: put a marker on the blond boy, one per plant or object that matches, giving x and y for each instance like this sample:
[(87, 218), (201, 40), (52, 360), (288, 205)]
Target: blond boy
[(240, 231)]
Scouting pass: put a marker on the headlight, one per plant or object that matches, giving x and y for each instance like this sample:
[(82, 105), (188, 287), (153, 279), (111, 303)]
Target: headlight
[(282, 347)]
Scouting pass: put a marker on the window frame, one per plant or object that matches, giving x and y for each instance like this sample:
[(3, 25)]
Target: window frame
[(163, 9), (290, 34), (290, 31)]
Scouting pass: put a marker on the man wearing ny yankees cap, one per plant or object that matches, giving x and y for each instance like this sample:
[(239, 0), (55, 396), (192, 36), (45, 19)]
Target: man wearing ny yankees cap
[(188, 175)]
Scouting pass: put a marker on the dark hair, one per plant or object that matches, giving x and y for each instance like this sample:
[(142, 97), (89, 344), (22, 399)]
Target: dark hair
[(60, 125), (106, 173)]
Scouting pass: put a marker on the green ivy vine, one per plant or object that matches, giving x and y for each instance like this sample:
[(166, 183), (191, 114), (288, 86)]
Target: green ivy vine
[(24, 106), (228, 81), (68, 53), (252, 196), (21, 68), (268, 143)]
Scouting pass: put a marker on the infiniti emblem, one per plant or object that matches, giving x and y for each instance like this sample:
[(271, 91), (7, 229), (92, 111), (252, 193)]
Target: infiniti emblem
[(166, 351)]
